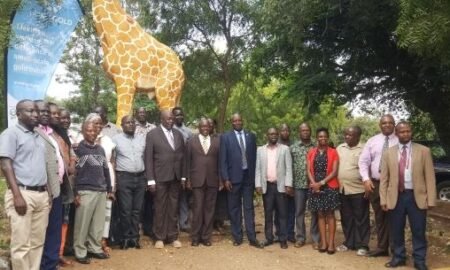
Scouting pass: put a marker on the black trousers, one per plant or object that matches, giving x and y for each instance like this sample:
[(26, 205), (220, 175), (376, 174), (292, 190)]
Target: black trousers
[(147, 214), (381, 219), (355, 220), (130, 193), (272, 200), (165, 222)]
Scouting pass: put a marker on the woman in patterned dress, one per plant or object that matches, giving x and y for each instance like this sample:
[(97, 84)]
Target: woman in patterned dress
[(322, 165)]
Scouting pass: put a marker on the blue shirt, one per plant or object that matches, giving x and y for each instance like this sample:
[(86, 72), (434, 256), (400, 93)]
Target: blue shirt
[(26, 149)]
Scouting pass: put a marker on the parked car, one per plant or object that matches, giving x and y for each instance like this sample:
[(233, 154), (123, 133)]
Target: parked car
[(441, 161)]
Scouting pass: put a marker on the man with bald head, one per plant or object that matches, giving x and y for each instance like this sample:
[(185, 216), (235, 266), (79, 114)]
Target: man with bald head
[(354, 207), (165, 172), (142, 128), (237, 168), (299, 150), (202, 158), (273, 179), (22, 160), (407, 188), (129, 167), (369, 168)]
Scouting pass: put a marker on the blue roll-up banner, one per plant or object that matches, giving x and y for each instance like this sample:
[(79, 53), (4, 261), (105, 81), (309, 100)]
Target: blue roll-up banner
[(40, 36)]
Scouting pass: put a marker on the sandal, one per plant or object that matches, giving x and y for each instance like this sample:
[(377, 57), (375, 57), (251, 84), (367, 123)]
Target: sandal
[(63, 262), (106, 249)]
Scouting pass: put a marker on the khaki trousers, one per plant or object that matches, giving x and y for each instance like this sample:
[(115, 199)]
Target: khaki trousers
[(28, 231), (89, 223)]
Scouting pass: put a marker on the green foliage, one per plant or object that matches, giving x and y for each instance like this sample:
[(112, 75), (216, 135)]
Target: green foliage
[(424, 28), (7, 8), (270, 105), (141, 100), (347, 49), (216, 36)]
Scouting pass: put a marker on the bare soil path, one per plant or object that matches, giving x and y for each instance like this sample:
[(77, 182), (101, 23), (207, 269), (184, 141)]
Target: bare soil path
[(223, 255)]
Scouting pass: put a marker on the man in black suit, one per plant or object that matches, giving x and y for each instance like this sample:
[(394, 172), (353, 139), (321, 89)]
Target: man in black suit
[(237, 168), (203, 178), (164, 164)]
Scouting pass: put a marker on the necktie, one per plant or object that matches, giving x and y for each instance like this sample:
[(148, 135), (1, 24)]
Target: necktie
[(385, 147), (171, 140), (243, 151), (205, 144), (401, 170)]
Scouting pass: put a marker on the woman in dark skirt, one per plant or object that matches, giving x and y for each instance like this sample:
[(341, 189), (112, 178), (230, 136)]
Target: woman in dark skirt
[(322, 165)]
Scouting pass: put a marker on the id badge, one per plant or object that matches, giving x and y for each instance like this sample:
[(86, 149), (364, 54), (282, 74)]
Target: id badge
[(408, 174)]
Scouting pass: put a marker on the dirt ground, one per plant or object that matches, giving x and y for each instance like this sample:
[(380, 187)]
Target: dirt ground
[(223, 255)]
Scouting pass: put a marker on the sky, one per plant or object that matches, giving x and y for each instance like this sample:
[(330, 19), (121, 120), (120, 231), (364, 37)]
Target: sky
[(59, 90)]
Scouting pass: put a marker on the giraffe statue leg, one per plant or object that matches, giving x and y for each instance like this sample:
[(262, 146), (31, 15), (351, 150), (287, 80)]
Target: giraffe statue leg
[(125, 96), (165, 98)]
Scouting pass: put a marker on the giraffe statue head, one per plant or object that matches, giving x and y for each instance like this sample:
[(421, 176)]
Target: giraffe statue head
[(135, 60)]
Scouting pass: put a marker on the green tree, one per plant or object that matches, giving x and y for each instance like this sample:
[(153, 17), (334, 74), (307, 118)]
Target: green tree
[(424, 28), (7, 8), (222, 28), (348, 49)]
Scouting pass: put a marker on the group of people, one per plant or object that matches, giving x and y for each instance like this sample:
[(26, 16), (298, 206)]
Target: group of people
[(166, 179)]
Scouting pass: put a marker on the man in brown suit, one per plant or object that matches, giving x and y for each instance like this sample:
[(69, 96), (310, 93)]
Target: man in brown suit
[(203, 178), (407, 188), (164, 164)]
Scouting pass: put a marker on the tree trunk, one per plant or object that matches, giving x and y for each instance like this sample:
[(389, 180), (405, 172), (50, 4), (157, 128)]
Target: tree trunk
[(224, 103)]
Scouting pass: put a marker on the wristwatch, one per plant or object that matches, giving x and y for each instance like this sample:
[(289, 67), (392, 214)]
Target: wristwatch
[(323, 182)]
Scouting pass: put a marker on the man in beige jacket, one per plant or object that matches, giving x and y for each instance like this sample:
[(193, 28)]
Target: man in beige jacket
[(407, 188)]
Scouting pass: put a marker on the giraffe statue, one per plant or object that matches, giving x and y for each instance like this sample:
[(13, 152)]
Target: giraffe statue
[(135, 60)]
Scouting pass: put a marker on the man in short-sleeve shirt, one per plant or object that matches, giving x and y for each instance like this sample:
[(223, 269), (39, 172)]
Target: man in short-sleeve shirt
[(22, 158)]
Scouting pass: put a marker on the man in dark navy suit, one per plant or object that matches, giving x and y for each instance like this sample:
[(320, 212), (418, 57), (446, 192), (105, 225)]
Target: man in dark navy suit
[(237, 168)]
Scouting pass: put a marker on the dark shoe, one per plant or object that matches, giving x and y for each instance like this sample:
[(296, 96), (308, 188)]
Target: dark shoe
[(283, 245), (194, 243), (256, 244), (331, 252), (378, 253), (237, 243), (291, 239), (100, 256), (136, 244), (394, 264), (420, 266), (206, 243), (323, 250), (124, 244), (267, 243), (83, 260)]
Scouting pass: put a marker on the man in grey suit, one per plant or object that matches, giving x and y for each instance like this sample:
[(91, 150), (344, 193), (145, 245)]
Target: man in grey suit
[(202, 160), (164, 166), (273, 179)]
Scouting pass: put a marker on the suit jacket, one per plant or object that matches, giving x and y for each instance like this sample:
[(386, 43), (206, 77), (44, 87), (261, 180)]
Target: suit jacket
[(231, 158), (203, 167), (423, 177), (284, 168), (51, 163), (162, 162)]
